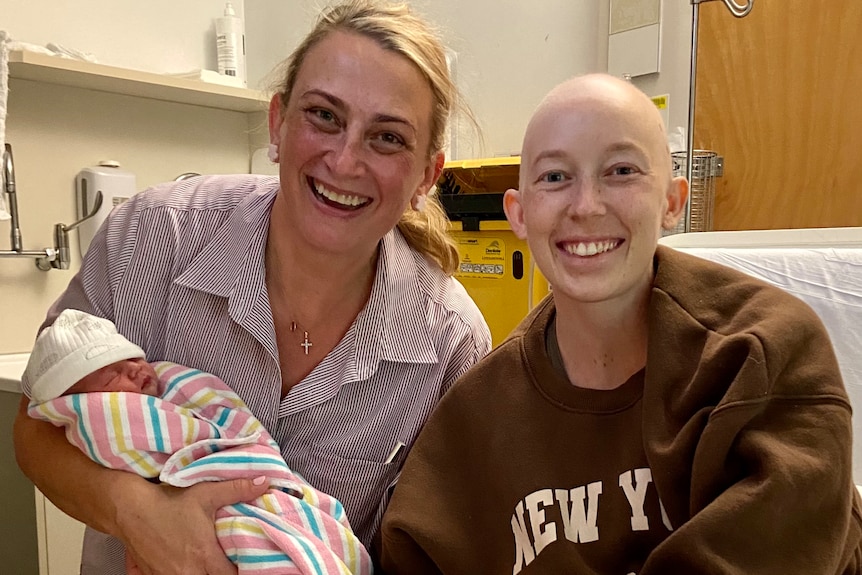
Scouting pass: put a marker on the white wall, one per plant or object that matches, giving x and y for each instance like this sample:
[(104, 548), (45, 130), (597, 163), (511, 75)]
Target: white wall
[(510, 53), (163, 36), (273, 28)]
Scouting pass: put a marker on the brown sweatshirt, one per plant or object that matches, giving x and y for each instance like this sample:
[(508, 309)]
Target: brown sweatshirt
[(730, 454)]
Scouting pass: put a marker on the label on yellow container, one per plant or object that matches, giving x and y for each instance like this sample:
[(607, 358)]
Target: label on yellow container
[(482, 257)]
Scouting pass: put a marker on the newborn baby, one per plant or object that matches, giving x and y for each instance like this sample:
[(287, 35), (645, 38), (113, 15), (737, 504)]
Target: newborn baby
[(182, 426)]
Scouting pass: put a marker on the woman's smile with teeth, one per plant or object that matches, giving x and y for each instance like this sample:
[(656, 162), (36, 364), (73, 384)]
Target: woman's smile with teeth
[(345, 200), (591, 248)]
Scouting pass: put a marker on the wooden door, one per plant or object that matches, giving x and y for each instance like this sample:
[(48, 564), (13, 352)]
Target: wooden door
[(779, 96)]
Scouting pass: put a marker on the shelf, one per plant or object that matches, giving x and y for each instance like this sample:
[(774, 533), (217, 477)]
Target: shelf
[(79, 74)]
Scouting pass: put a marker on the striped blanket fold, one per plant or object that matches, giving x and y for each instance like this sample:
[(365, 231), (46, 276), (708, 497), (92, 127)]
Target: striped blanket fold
[(200, 430)]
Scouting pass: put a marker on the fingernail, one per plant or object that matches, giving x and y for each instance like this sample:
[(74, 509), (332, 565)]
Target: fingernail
[(259, 480)]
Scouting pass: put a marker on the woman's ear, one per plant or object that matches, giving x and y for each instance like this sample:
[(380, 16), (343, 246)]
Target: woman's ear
[(677, 194), (515, 212), (418, 202), (432, 173), (275, 119), (429, 181)]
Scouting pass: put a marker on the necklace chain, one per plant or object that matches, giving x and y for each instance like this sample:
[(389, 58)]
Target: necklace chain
[(306, 343)]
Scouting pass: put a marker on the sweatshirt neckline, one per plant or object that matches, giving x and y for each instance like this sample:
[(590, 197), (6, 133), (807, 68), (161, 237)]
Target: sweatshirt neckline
[(555, 386)]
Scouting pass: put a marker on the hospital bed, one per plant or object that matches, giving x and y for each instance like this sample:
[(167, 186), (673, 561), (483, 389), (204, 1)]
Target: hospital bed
[(821, 266)]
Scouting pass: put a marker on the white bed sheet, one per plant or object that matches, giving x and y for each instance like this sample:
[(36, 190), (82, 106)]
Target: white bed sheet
[(822, 267)]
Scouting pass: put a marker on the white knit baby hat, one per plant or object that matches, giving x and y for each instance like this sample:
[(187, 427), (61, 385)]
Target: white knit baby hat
[(75, 345)]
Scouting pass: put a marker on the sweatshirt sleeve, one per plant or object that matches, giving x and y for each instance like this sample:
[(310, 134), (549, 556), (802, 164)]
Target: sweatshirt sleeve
[(792, 510), (771, 488), (417, 517)]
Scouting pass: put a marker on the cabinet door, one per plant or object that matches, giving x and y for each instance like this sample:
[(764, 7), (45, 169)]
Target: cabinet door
[(778, 97), (60, 539)]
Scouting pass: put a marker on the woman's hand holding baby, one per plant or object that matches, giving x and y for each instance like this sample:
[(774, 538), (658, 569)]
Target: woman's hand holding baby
[(171, 531)]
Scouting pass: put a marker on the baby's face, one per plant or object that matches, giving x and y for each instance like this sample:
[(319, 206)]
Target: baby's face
[(133, 375)]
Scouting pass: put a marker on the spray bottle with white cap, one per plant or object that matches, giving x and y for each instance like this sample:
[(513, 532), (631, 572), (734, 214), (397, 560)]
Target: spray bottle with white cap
[(230, 44)]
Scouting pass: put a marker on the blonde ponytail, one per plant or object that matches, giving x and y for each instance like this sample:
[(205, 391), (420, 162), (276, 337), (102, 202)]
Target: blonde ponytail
[(428, 233)]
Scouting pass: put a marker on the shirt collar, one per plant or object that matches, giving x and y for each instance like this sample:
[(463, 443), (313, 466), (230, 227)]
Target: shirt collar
[(393, 326), (235, 250)]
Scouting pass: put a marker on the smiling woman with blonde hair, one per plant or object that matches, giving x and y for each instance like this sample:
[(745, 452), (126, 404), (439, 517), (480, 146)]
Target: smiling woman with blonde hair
[(323, 297)]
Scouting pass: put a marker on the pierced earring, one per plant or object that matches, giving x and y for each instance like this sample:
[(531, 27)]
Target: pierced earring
[(419, 203), (272, 153)]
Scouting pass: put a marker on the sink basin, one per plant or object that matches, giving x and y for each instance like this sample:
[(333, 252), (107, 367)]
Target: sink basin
[(11, 367)]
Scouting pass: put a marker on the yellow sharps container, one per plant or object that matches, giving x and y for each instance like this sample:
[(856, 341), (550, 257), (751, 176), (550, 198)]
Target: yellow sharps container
[(496, 267)]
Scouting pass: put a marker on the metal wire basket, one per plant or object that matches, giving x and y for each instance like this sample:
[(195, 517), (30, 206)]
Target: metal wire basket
[(701, 189)]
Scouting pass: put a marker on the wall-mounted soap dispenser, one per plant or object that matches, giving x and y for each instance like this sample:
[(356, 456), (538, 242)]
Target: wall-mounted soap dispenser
[(116, 186)]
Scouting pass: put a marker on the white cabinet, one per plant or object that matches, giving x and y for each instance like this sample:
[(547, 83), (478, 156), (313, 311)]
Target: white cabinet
[(59, 538)]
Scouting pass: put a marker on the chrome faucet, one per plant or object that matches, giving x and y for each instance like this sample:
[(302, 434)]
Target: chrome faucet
[(61, 236), (9, 188), (57, 257)]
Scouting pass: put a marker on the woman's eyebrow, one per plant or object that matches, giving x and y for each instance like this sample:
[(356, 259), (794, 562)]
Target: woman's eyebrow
[(626, 146), (387, 118), (548, 155), (339, 103), (334, 100)]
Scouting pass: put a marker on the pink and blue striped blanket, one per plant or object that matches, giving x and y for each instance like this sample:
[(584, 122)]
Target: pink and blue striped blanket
[(200, 430)]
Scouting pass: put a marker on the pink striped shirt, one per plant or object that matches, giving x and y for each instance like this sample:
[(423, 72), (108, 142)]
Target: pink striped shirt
[(179, 269)]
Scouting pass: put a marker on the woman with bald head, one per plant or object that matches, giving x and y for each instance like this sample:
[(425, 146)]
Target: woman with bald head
[(656, 414)]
